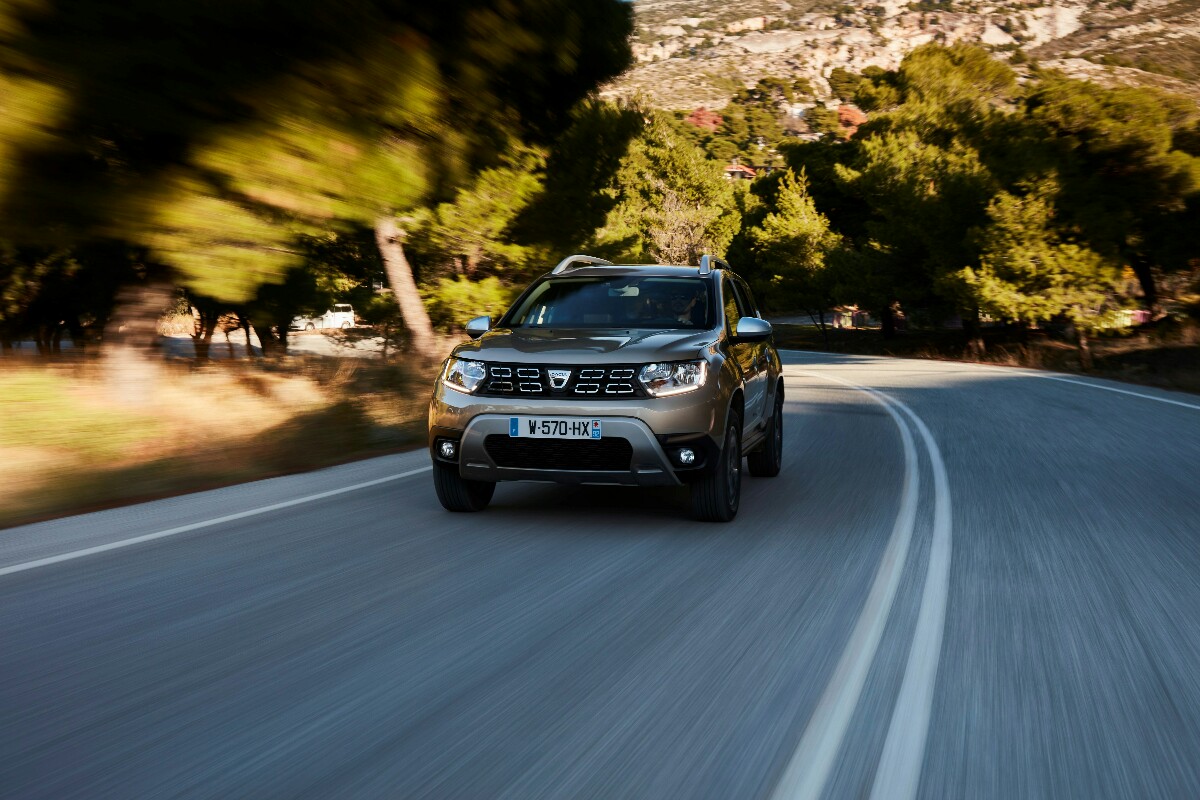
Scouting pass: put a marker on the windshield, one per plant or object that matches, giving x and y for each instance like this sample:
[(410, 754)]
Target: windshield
[(619, 301)]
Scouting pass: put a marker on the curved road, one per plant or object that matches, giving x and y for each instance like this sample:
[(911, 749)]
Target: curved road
[(968, 582)]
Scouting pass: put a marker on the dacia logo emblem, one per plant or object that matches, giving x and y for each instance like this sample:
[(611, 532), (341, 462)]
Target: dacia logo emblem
[(559, 378)]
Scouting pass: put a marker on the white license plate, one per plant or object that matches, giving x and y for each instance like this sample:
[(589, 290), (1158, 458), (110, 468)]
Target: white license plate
[(553, 428)]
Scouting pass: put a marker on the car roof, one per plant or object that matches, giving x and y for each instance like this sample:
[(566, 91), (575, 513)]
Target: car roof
[(652, 270)]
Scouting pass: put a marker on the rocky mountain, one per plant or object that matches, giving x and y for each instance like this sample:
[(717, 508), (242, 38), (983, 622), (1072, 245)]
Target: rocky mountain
[(693, 53)]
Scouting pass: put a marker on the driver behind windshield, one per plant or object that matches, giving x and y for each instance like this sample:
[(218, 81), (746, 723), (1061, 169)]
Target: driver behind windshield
[(592, 302)]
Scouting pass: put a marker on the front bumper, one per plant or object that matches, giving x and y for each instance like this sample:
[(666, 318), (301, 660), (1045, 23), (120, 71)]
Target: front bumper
[(648, 465), (651, 427)]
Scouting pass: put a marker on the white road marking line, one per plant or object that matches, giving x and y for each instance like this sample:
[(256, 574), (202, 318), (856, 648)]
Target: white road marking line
[(899, 772), (809, 768), (1115, 389), (1024, 372), (149, 537)]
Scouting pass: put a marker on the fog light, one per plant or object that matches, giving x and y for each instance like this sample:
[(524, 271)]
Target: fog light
[(446, 449), (686, 455)]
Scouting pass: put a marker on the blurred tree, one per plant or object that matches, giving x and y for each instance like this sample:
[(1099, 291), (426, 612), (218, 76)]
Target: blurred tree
[(212, 134), (454, 301), (961, 78), (843, 83), (206, 313), (47, 293), (822, 120)]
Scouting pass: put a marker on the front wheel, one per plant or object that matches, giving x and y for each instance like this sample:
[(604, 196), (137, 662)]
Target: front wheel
[(767, 458), (456, 493), (716, 496)]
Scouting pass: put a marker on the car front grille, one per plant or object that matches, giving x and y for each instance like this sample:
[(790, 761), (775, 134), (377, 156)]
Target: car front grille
[(608, 382), (609, 454)]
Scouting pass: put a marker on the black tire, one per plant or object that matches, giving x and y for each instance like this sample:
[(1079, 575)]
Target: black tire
[(345, 326), (716, 496), (767, 458), (456, 493), (310, 327)]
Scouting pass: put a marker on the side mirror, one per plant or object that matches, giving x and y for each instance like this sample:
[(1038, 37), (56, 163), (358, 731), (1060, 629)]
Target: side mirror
[(752, 329), (479, 326)]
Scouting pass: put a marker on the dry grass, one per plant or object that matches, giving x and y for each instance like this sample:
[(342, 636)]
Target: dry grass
[(66, 445)]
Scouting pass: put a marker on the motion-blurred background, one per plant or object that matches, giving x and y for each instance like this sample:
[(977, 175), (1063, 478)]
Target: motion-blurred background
[(236, 238)]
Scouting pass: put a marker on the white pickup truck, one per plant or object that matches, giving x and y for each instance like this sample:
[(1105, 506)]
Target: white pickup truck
[(340, 316)]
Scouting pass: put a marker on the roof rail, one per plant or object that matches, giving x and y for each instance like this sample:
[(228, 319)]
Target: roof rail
[(706, 262), (579, 259)]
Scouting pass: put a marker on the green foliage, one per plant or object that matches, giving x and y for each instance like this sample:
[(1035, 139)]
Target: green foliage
[(581, 165), (792, 245), (876, 97), (46, 293), (1125, 186), (1029, 273), (472, 235), (672, 204), (454, 301), (213, 135), (822, 120), (924, 199), (843, 82), (960, 76), (752, 124)]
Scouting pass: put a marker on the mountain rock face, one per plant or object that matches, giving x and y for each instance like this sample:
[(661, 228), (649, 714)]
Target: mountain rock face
[(694, 53)]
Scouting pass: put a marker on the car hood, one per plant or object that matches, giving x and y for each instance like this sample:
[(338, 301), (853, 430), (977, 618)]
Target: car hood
[(575, 346)]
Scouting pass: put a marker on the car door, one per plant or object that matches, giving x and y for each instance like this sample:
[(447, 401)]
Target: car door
[(745, 354), (757, 391)]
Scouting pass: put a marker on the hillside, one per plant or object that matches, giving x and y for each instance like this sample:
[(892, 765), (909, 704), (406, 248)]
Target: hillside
[(699, 52)]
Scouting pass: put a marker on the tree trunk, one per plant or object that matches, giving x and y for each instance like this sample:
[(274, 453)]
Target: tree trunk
[(131, 355), (819, 319), (1085, 350), (974, 330), (206, 323), (1145, 275), (246, 327), (887, 321), (266, 339), (389, 239)]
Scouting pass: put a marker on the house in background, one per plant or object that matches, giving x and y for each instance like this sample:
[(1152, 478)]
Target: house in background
[(739, 172), (850, 117)]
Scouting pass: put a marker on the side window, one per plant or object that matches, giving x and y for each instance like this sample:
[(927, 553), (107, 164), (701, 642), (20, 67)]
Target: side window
[(750, 307), (733, 305)]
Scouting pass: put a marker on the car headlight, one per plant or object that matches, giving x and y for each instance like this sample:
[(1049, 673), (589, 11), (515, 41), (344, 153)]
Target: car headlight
[(674, 377), (463, 375)]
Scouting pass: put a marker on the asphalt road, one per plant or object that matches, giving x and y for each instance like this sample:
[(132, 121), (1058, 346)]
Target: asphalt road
[(971, 583)]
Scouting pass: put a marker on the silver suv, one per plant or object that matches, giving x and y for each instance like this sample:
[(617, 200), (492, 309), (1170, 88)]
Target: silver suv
[(604, 374)]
